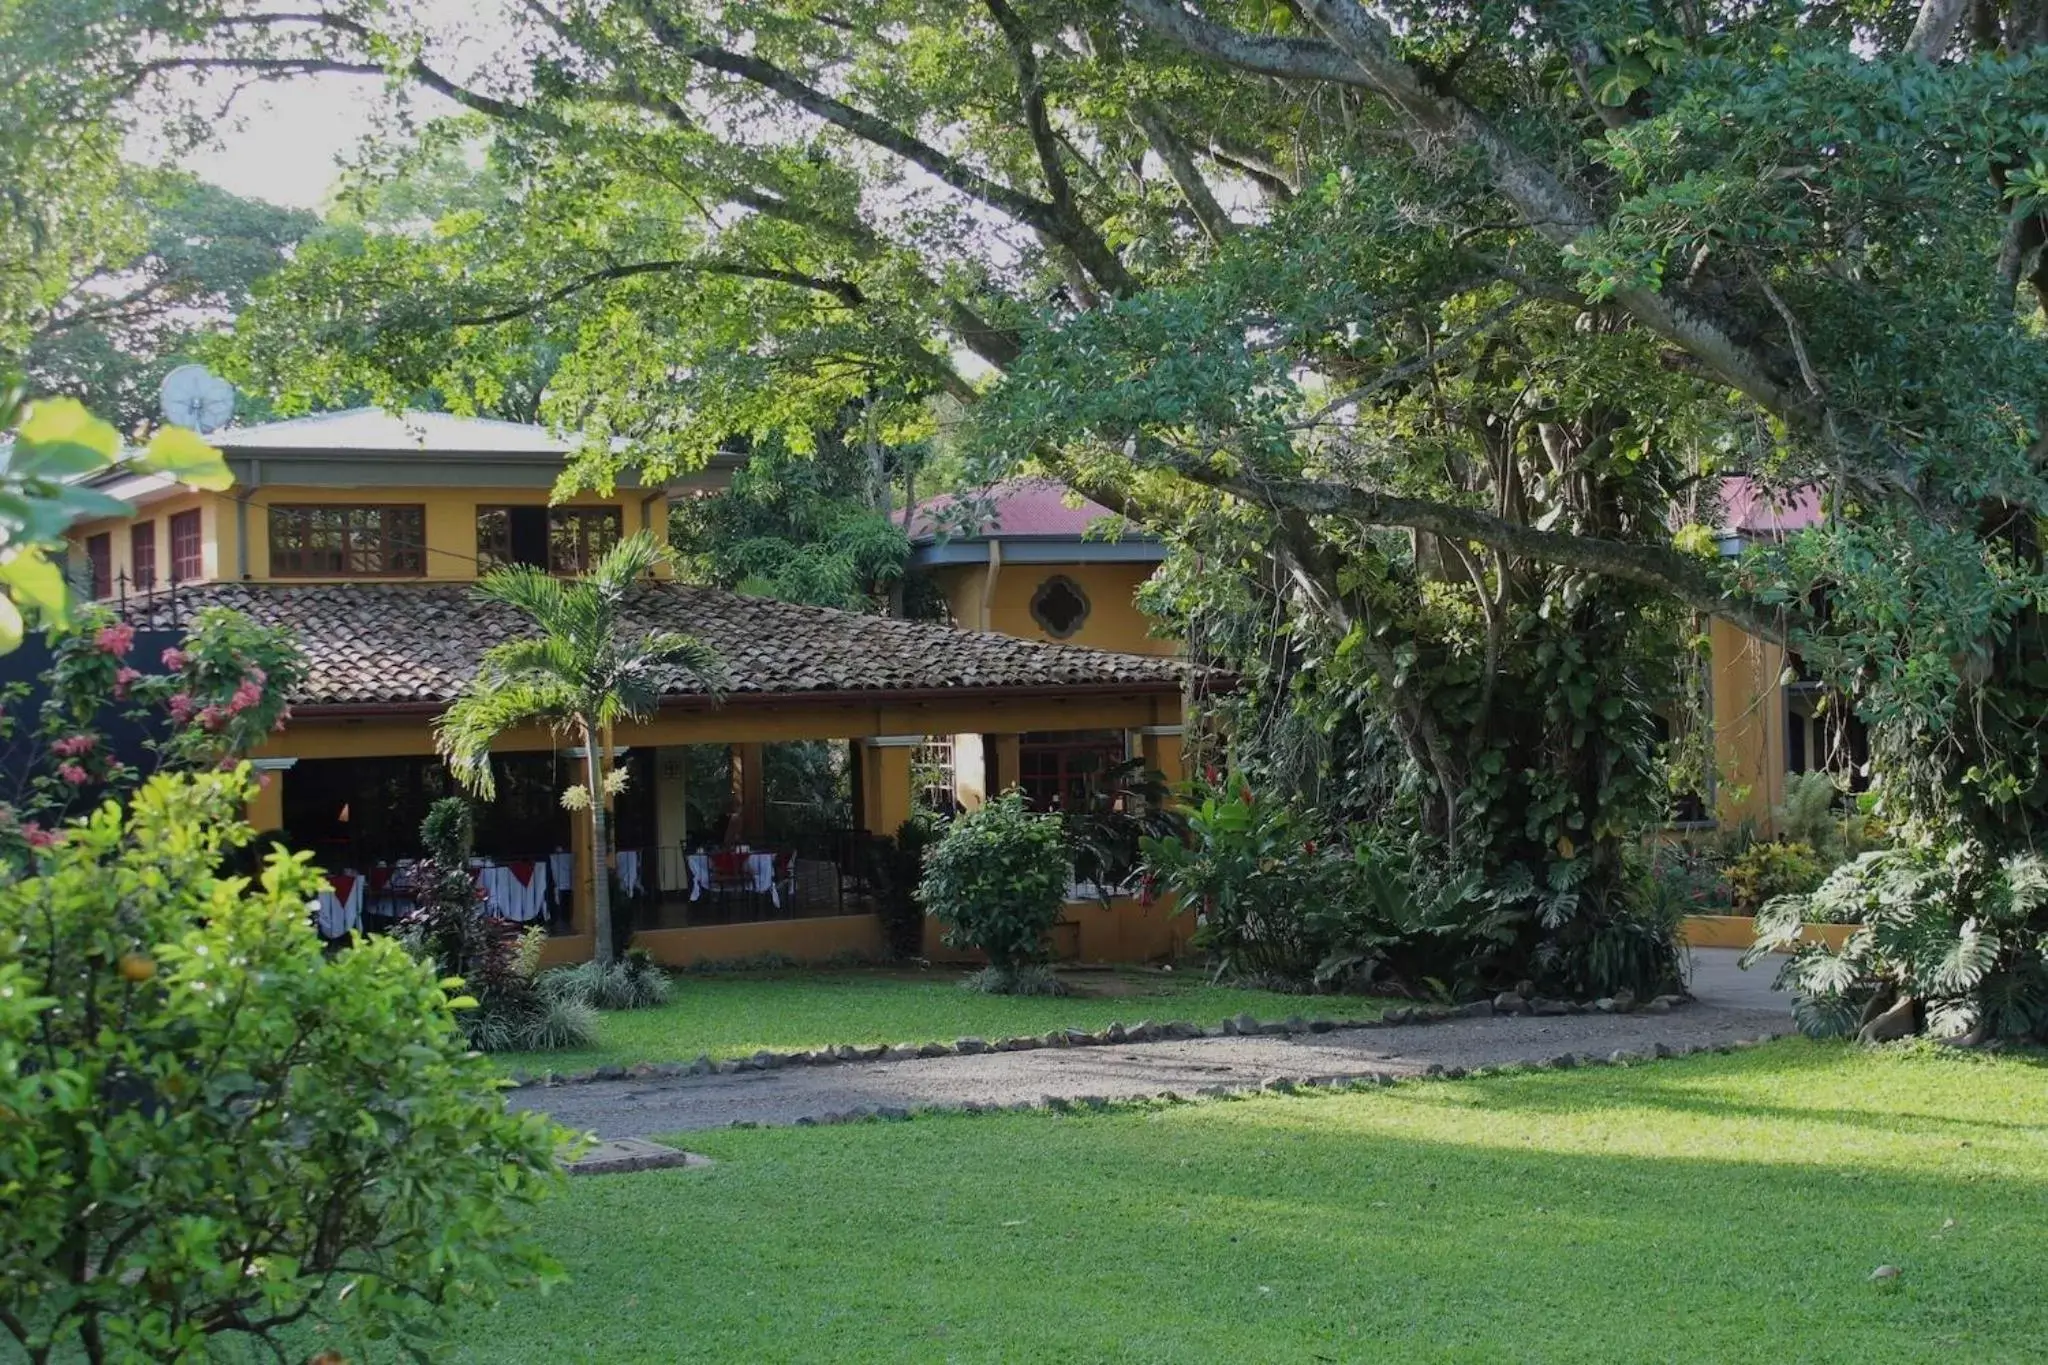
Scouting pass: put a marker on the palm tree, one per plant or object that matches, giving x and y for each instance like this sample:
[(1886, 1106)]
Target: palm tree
[(585, 670)]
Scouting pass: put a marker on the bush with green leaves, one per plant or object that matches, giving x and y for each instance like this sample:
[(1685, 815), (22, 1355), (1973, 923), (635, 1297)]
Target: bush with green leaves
[(1769, 870), (1950, 940), (498, 965), (634, 982), (997, 881), (213, 1129)]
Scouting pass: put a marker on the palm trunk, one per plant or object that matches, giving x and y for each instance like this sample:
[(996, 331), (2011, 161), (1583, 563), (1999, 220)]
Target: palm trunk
[(600, 849)]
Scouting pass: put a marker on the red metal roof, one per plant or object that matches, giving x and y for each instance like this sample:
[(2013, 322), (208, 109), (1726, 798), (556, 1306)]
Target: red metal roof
[(1020, 507), (1750, 509)]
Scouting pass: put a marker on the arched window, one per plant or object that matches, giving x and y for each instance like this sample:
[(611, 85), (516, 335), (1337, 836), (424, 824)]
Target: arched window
[(1059, 606)]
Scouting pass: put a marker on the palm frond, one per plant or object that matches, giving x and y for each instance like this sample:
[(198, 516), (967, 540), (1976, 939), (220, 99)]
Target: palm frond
[(465, 731)]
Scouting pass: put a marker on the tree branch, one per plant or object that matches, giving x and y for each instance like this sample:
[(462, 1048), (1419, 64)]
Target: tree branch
[(1173, 151), (1933, 27), (1360, 52), (846, 291)]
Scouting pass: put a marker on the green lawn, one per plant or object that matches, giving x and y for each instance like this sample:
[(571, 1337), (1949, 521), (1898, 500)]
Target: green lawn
[(735, 1016), (1711, 1209)]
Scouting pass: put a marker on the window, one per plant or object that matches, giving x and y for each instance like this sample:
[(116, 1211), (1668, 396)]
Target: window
[(932, 774), (188, 557), (342, 541), (1059, 606), (142, 554), (563, 540), (579, 536), (99, 560), (1055, 768)]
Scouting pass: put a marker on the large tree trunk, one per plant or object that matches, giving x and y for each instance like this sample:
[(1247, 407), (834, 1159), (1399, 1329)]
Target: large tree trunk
[(600, 849)]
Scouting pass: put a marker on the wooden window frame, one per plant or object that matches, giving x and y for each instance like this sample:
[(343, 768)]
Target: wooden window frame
[(188, 547), (142, 556), (1048, 791), (99, 564), (561, 518), (396, 555)]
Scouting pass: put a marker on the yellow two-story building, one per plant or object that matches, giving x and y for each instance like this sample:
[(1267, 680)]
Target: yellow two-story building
[(359, 533)]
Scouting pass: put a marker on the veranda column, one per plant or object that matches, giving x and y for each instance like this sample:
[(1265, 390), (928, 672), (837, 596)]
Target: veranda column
[(1001, 770), (266, 810), (750, 786), (885, 783), (1163, 749)]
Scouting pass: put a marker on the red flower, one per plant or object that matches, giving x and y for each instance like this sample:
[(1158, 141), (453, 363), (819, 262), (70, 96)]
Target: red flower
[(181, 705), (123, 679), (247, 695), (116, 640), (72, 746), (174, 659), (37, 836), (1308, 846), (73, 774)]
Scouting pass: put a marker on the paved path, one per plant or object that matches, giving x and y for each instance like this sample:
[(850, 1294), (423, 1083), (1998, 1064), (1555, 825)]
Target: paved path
[(1731, 1005)]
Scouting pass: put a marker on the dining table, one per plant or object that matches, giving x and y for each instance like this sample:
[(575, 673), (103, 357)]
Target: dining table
[(744, 869)]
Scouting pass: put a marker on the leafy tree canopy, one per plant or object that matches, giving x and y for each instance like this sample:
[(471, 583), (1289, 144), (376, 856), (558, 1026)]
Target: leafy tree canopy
[(1438, 324)]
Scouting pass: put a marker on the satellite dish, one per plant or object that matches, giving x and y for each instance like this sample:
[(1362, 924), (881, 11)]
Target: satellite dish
[(194, 396)]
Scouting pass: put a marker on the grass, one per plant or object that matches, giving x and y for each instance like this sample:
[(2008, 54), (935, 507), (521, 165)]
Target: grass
[(735, 1016), (1720, 1208)]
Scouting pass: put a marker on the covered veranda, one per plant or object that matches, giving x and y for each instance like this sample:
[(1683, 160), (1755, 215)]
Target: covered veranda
[(742, 824)]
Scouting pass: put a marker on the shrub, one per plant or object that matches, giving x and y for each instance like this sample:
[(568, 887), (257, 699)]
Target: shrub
[(1248, 868), (634, 982), (997, 881), (1952, 941), (212, 1127), (1770, 870), (895, 867), (499, 965), (1034, 980)]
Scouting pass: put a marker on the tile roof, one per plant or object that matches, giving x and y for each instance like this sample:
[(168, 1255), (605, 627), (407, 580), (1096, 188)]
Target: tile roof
[(411, 643), (1018, 507)]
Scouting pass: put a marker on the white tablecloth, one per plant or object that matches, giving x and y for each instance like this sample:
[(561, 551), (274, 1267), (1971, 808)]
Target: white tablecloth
[(340, 911), (506, 897), (759, 875), (561, 873), (629, 872)]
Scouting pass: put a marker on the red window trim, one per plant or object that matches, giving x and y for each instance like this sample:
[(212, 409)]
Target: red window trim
[(188, 547), (142, 555)]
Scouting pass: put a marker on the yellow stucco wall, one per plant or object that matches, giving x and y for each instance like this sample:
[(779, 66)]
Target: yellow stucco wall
[(1749, 724), (450, 515), (1113, 622)]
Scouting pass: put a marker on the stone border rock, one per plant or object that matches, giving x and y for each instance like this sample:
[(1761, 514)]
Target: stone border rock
[(1114, 1035), (1307, 1086)]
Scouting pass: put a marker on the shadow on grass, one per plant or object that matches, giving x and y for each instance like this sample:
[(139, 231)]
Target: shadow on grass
[(1394, 1225)]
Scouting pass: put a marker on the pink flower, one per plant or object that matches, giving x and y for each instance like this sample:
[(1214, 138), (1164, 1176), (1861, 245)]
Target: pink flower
[(174, 659), (124, 679), (181, 707), (71, 746), (212, 718), (257, 675), (73, 774), (37, 836), (246, 696), (116, 640)]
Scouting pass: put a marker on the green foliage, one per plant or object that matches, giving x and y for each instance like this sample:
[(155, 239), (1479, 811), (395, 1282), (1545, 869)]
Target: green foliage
[(1032, 979), (997, 881), (1950, 933), (149, 298), (54, 443), (895, 867), (1773, 869), (511, 1009), (634, 982), (1282, 901), (213, 1126), (801, 528), (1121, 806)]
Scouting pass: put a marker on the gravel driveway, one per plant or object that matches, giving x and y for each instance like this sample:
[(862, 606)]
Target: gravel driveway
[(631, 1108)]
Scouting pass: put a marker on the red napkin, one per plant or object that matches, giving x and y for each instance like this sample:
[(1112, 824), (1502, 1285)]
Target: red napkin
[(343, 885), (523, 871)]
